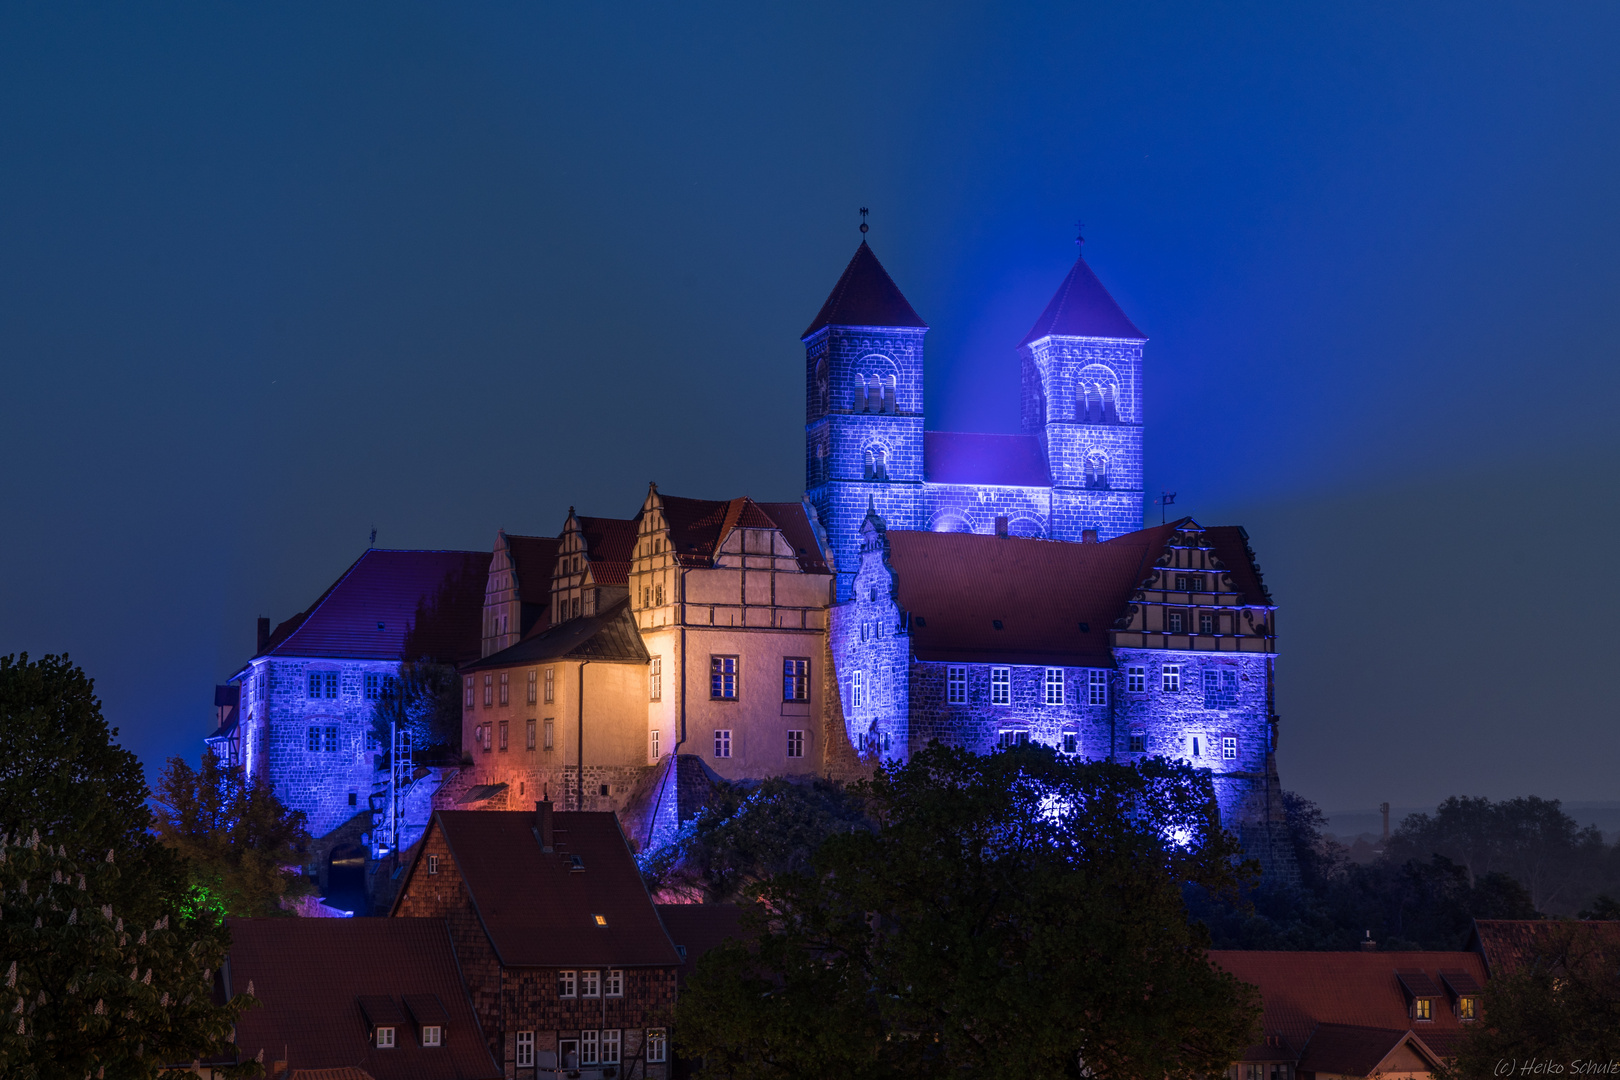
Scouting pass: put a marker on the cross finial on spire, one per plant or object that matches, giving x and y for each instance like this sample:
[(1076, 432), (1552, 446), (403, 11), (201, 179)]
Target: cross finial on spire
[(1079, 235), (863, 220)]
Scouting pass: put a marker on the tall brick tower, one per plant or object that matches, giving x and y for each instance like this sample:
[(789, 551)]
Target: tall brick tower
[(1082, 373), (864, 409)]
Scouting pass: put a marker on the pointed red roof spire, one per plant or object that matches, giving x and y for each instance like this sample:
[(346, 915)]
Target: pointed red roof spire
[(1083, 308), (865, 296)]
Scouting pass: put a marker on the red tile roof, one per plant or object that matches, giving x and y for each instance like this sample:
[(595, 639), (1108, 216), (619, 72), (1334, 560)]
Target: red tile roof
[(1347, 1050), (1301, 990), (537, 910), (534, 558), (697, 928), (394, 605), (310, 974), (955, 585), (865, 296), (610, 543), (1508, 945), (1083, 308), (956, 457), (794, 521), (697, 528)]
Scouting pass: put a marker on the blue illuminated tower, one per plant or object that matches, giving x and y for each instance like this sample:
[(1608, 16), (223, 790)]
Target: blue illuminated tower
[(863, 409), (1082, 396)]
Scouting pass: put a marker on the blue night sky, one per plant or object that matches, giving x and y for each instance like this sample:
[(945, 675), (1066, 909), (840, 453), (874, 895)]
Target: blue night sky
[(272, 275)]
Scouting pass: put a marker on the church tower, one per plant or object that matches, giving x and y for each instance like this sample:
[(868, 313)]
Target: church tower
[(863, 409), (1082, 396)]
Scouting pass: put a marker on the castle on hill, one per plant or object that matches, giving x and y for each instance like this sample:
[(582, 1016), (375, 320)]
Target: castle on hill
[(981, 590)]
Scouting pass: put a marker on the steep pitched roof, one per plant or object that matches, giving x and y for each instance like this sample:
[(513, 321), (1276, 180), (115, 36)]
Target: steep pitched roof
[(537, 910), (394, 605), (309, 975), (1360, 990), (794, 521), (957, 585), (697, 928), (697, 528), (865, 296), (1083, 308), (534, 558), (1348, 1050), (607, 637), (610, 542), (956, 457), (1510, 945)]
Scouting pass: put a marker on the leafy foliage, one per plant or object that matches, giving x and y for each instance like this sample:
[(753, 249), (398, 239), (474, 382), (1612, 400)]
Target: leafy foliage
[(748, 833), (1016, 914), (242, 843), (424, 700)]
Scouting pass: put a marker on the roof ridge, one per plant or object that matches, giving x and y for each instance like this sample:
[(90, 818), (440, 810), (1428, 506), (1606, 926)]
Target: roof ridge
[(309, 612)]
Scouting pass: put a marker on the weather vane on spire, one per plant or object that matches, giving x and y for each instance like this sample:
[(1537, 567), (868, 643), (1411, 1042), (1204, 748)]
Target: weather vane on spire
[(863, 220), (1079, 235)]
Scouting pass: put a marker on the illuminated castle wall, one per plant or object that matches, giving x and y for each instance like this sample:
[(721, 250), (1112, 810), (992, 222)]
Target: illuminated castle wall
[(1077, 464)]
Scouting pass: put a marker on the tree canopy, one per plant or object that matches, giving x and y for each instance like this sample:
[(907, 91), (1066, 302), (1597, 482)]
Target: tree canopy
[(1017, 914), (425, 701)]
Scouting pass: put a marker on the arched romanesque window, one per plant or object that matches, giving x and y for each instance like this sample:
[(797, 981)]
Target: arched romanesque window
[(875, 385), (820, 389), (1096, 392), (1096, 469), (877, 463)]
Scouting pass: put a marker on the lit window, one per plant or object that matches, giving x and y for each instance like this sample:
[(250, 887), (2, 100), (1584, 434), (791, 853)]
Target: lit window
[(610, 1047), (1138, 743), (857, 690), (331, 740), (795, 744), (469, 696), (489, 690), (551, 686), (722, 743), (1011, 737), (1000, 686), (956, 685), (1097, 688), (615, 984), (1173, 621), (528, 735), (565, 984), (1465, 1008), (600, 920), (433, 864), (385, 1038), (655, 679), (590, 983), (1420, 1009), (525, 1049), (505, 692), (373, 685), (551, 734), (532, 677), (656, 1047), (795, 679), (653, 748), (430, 1034), (1206, 622), (1170, 678), (1054, 686), (723, 678), (1136, 679), (503, 736), (1071, 743), (1229, 747)]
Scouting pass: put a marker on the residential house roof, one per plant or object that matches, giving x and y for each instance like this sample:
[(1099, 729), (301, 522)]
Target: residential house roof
[(393, 605), (956, 457), (309, 977), (1508, 945), (865, 296), (698, 527), (610, 544), (1081, 307), (538, 910), (610, 637), (697, 928)]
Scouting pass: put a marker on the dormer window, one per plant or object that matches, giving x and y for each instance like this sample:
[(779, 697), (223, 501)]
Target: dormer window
[(1420, 993), (1464, 990), (385, 1038), (431, 1034), (1465, 1008), (1422, 1009)]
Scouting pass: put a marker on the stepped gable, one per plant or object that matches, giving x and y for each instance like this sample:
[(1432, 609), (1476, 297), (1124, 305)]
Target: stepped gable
[(607, 637), (956, 457), (1083, 308), (537, 910), (865, 296), (697, 528), (1231, 546), (610, 544), (321, 984), (957, 585), (394, 605)]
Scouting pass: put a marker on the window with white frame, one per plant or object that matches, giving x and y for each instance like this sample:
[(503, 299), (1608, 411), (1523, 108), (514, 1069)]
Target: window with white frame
[(722, 742), (1071, 742), (655, 679), (528, 734), (614, 986), (385, 1038), (1001, 686), (657, 1046), (489, 690), (795, 744), (1170, 678), (1173, 620), (1097, 687), (857, 690), (551, 735), (795, 679), (1054, 686), (525, 1049), (506, 698), (533, 694), (430, 1034), (653, 749), (433, 864), (956, 685), (551, 686), (1206, 622), (1011, 737), (567, 986), (723, 678), (1136, 679), (590, 1043), (1138, 743), (610, 1046), (504, 736), (1229, 747), (469, 687)]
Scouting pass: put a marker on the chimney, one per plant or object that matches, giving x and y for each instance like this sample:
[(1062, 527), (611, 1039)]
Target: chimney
[(1001, 525), (542, 824), (1368, 944), (264, 633), (1088, 536)]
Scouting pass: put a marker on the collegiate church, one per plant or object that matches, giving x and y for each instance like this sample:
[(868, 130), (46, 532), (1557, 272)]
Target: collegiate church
[(982, 590)]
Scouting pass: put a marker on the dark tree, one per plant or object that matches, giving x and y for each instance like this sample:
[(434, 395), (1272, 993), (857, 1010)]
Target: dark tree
[(424, 700), (1014, 915), (243, 845)]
